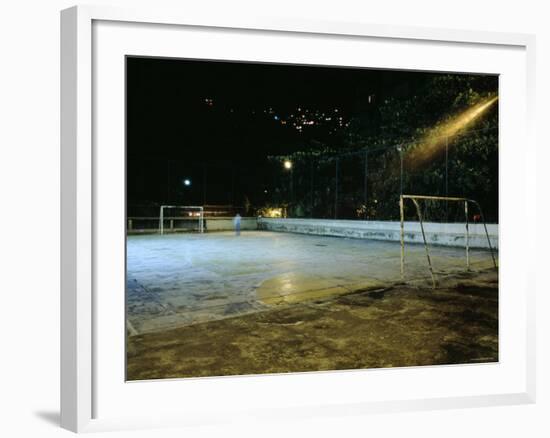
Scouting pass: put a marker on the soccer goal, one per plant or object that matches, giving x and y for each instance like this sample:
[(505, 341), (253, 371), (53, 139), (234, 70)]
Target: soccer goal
[(177, 218), (460, 204)]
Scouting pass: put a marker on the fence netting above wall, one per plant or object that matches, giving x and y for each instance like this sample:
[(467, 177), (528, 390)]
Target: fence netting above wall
[(366, 183)]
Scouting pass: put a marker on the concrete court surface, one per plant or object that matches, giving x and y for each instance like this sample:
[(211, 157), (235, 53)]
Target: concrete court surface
[(403, 325), (179, 280)]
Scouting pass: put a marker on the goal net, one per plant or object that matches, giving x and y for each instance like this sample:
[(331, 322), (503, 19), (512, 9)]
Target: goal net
[(438, 216), (181, 218)]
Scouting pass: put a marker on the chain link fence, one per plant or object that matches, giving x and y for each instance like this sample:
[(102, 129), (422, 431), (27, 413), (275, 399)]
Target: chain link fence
[(365, 184)]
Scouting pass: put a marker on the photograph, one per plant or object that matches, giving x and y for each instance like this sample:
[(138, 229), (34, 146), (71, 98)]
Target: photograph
[(285, 218)]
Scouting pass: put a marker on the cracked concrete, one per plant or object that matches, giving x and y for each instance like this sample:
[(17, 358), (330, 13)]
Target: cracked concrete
[(399, 326)]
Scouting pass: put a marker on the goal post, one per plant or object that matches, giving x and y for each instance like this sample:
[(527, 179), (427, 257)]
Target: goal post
[(193, 213), (415, 200)]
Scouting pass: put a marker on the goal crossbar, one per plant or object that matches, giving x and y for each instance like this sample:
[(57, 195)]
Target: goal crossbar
[(187, 207), (466, 201)]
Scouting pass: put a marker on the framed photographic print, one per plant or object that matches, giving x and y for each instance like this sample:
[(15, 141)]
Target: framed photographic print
[(257, 208)]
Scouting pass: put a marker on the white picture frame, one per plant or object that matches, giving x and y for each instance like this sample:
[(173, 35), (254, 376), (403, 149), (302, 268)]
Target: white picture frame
[(81, 366)]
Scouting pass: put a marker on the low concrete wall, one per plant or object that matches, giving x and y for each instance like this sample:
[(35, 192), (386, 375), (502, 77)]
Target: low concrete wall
[(150, 225), (436, 233), (226, 223)]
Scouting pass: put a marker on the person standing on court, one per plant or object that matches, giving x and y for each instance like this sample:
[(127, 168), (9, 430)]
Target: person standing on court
[(237, 224)]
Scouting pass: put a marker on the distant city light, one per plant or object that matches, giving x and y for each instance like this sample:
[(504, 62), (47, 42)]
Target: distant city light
[(288, 164), (301, 118)]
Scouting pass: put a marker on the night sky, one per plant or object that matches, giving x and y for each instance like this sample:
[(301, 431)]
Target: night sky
[(216, 123)]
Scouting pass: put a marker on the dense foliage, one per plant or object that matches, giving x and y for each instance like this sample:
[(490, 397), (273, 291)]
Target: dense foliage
[(361, 173)]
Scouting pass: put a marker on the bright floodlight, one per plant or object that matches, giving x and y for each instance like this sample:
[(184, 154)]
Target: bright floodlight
[(288, 164), (186, 182)]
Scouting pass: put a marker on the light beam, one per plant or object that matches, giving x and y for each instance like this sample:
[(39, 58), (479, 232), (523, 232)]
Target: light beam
[(434, 141)]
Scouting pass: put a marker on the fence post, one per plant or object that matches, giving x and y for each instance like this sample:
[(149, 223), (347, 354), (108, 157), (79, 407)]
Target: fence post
[(365, 182), (336, 190), (467, 236), (292, 185), (402, 215), (446, 178), (400, 149), (311, 187)]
